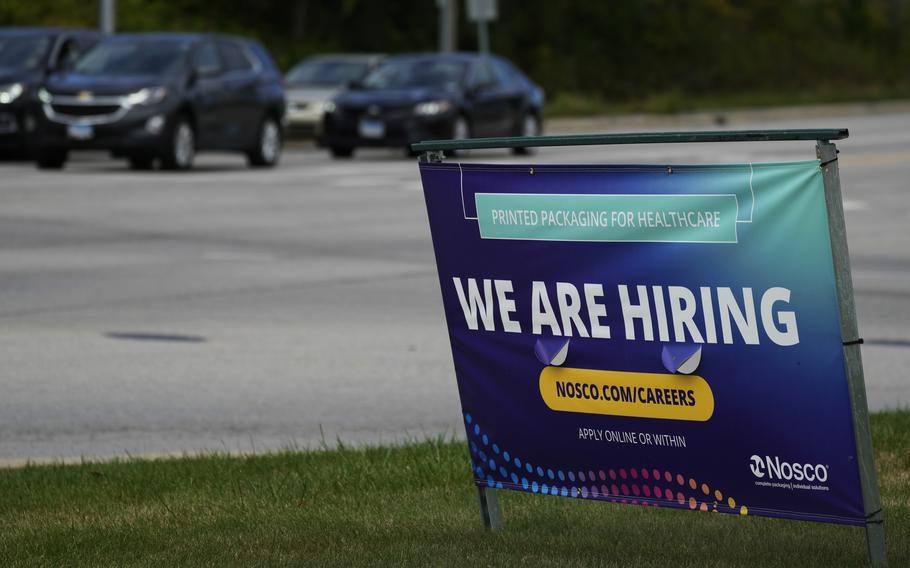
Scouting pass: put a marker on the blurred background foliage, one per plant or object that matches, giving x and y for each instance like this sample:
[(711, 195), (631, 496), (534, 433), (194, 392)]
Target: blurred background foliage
[(652, 55)]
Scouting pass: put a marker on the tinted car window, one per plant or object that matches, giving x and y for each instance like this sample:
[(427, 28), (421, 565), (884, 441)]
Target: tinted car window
[(416, 73), (516, 75), (68, 53), (504, 73), (234, 58), (132, 58), (205, 59), (23, 52), (326, 73), (261, 55), (483, 74), (87, 41)]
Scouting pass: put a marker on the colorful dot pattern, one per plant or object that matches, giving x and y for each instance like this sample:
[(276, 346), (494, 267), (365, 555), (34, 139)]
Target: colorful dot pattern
[(498, 468)]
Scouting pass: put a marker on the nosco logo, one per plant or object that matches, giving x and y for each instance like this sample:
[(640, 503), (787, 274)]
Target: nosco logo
[(757, 466), (773, 468)]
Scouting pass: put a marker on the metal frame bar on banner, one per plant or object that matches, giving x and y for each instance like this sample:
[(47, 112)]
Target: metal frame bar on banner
[(826, 152)]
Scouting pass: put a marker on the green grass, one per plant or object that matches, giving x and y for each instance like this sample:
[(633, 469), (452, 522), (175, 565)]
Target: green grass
[(568, 104), (412, 505)]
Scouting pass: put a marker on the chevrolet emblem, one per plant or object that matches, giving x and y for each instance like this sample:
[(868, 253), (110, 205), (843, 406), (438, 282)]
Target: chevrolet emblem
[(85, 96)]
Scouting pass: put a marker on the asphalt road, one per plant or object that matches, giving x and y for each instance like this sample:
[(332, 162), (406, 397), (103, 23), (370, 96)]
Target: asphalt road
[(240, 310)]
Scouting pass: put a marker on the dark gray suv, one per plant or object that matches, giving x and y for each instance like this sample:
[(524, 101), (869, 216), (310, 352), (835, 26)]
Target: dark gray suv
[(164, 96)]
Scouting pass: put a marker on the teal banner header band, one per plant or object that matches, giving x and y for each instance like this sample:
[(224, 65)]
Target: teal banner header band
[(681, 218)]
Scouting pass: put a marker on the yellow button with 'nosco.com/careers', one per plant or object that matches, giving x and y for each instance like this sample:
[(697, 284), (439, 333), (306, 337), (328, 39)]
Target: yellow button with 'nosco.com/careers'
[(620, 393)]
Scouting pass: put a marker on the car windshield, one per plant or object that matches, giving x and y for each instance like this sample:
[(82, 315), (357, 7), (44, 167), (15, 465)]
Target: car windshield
[(322, 73), (23, 52), (132, 58), (417, 73)]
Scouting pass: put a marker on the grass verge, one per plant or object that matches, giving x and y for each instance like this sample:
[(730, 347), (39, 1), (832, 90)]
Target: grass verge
[(411, 505)]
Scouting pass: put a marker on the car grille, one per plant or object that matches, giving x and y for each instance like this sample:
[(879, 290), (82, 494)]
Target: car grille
[(385, 113), (85, 110), (400, 111)]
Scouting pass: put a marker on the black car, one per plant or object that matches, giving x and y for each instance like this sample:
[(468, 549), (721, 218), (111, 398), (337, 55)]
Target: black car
[(164, 96), (409, 98), (27, 55)]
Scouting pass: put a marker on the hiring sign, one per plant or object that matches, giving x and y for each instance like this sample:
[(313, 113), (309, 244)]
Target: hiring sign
[(651, 335)]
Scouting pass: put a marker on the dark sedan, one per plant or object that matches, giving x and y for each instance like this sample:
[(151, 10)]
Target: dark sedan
[(27, 55), (432, 96), (163, 96)]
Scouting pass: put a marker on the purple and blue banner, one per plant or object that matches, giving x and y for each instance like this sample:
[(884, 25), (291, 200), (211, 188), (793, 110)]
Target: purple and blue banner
[(652, 335)]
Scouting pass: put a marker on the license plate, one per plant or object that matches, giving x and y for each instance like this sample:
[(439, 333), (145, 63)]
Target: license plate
[(370, 128), (80, 131)]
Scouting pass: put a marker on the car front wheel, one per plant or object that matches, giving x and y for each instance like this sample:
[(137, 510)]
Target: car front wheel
[(530, 126), (341, 151), (141, 162), (461, 130), (50, 158), (181, 147), (268, 147)]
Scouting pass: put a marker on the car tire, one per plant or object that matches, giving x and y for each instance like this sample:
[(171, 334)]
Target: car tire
[(180, 149), (268, 145), (140, 162), (461, 130), (50, 158), (530, 126), (341, 151)]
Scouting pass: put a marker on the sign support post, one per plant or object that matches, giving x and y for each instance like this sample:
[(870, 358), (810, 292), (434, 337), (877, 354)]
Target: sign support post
[(826, 152), (483, 12), (489, 508), (875, 529)]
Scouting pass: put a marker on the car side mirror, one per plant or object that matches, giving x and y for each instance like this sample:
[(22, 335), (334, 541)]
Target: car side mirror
[(354, 85)]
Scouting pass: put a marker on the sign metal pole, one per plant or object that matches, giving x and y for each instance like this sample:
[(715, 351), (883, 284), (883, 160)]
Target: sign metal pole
[(486, 496), (483, 12), (106, 16), (489, 508), (875, 529), (483, 36)]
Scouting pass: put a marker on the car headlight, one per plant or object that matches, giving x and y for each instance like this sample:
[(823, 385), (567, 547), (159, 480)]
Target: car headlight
[(147, 96), (328, 107), (44, 95), (10, 92), (431, 108)]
